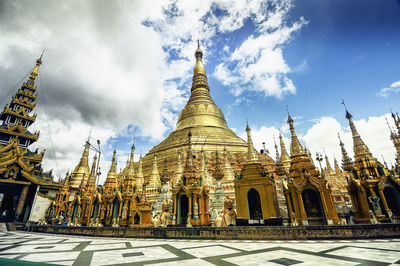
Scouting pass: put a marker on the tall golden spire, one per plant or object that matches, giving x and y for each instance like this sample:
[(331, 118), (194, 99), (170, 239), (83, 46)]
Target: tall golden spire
[(295, 146), (199, 68), (93, 170), (347, 163), (329, 169), (129, 180), (65, 186), (154, 181), (190, 171), (228, 171), (81, 171), (200, 109), (139, 175), (111, 181), (361, 151), (113, 168), (91, 184), (338, 172), (35, 70), (251, 154), (284, 155), (189, 165), (131, 169)]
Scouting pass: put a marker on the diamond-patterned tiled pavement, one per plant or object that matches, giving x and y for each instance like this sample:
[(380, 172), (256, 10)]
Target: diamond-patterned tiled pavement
[(76, 250)]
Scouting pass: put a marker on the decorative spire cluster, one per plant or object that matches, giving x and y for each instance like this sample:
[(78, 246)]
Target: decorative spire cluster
[(35, 70), (361, 151)]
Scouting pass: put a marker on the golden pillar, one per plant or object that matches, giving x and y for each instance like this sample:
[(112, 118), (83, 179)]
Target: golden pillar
[(174, 200), (21, 201), (190, 208), (302, 210)]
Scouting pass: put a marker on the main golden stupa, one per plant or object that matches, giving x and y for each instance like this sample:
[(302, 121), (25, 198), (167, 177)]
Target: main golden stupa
[(210, 133)]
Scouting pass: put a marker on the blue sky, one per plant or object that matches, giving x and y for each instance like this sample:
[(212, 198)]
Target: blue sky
[(123, 69)]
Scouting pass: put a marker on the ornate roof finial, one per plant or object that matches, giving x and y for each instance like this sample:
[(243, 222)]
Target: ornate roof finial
[(132, 153), (199, 68), (348, 115), (290, 119), (35, 70)]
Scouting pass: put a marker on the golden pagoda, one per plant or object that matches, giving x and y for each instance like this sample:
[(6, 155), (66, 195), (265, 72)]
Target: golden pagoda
[(81, 171), (190, 197), (210, 133), (20, 168), (308, 198), (256, 199), (374, 191)]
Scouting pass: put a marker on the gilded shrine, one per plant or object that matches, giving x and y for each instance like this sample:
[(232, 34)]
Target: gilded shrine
[(24, 186)]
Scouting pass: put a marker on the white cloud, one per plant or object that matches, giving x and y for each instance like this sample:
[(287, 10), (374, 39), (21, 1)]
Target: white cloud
[(393, 89), (68, 139), (301, 68), (258, 63)]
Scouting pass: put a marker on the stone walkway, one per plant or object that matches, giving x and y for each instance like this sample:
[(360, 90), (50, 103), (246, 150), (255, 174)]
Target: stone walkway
[(74, 250)]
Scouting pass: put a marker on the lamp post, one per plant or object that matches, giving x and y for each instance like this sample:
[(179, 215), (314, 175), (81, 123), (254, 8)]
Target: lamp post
[(264, 150), (319, 158), (98, 173)]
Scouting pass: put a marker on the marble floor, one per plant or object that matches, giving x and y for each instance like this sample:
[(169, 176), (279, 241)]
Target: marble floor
[(75, 250)]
